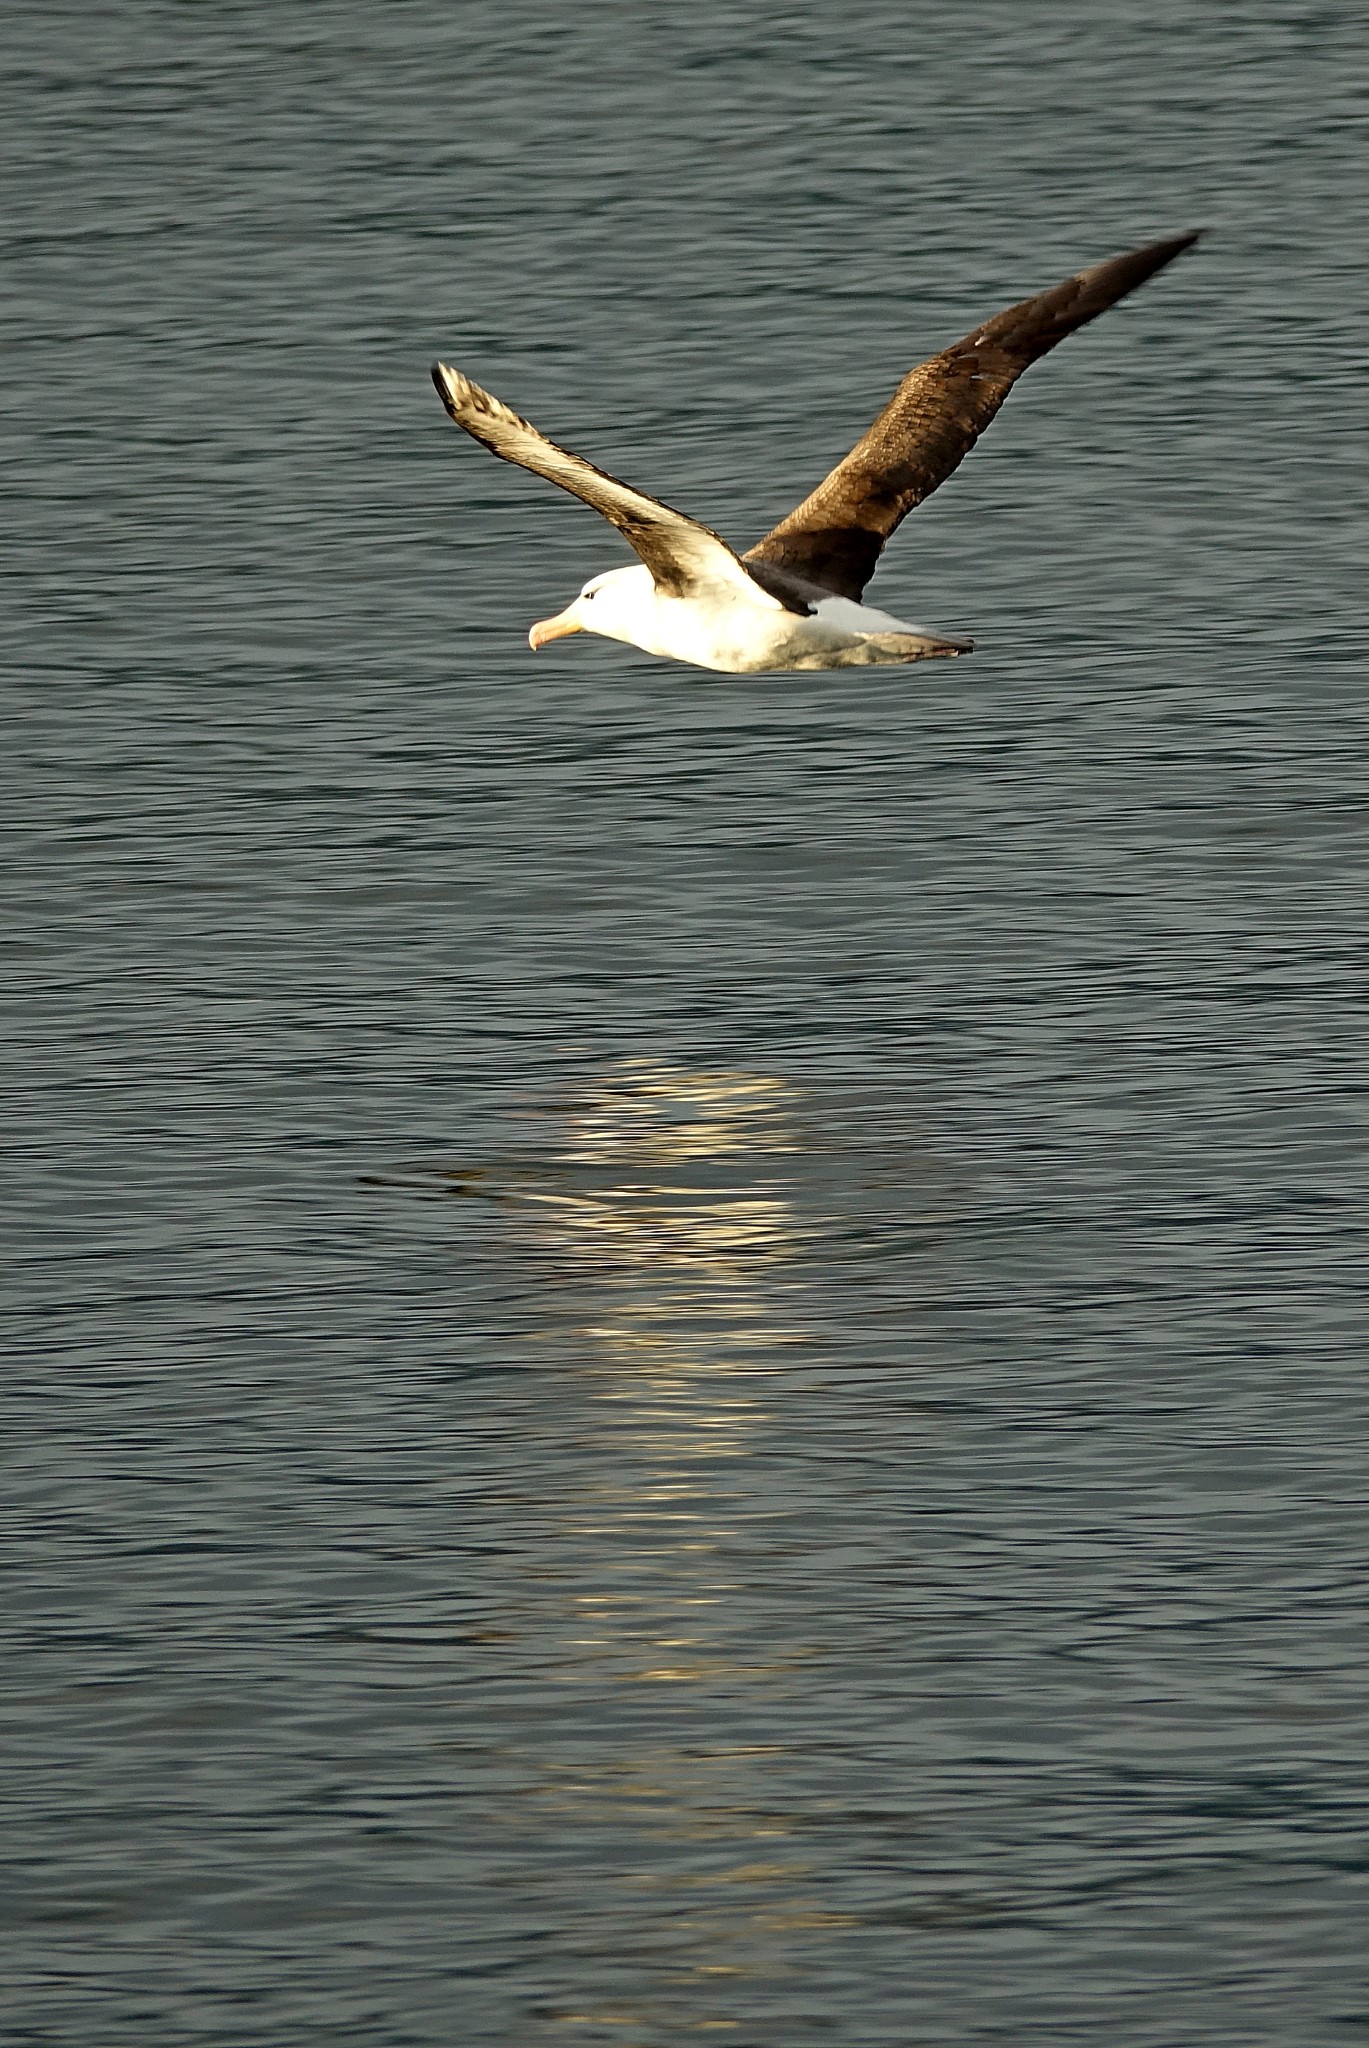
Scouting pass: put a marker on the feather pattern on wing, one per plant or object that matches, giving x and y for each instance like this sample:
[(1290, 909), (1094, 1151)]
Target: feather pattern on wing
[(835, 537), (682, 555)]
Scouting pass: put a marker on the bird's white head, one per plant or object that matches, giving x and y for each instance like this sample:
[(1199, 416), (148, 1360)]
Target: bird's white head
[(617, 604)]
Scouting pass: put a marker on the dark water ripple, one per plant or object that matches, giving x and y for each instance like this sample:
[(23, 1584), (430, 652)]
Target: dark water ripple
[(684, 1355)]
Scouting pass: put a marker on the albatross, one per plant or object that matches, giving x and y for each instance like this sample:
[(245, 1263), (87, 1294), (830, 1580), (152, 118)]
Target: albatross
[(796, 599)]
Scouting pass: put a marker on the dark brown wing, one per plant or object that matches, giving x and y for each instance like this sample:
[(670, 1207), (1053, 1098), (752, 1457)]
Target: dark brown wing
[(834, 538), (682, 555)]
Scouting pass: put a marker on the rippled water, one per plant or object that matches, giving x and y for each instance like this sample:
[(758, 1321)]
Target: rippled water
[(684, 1353)]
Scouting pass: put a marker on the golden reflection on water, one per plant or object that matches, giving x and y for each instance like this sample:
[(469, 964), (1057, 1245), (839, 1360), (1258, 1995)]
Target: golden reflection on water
[(666, 1210), (675, 1231), (644, 1215)]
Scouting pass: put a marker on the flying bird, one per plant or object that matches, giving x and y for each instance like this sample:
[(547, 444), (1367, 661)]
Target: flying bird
[(796, 599)]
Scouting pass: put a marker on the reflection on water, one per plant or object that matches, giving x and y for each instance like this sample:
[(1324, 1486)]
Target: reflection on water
[(666, 1216), (656, 1173)]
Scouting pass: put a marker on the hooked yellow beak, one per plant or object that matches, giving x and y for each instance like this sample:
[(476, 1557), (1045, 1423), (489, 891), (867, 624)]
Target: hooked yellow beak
[(554, 629)]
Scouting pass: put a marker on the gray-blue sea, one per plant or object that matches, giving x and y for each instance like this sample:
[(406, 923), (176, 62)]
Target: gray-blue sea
[(684, 1356)]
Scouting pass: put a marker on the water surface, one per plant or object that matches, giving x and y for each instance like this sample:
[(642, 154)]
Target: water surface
[(685, 1354)]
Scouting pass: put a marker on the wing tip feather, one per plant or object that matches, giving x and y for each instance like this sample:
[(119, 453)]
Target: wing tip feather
[(1115, 277), (465, 400), (449, 384)]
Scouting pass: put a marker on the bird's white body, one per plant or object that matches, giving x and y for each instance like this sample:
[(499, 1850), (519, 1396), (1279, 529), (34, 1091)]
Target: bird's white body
[(736, 627)]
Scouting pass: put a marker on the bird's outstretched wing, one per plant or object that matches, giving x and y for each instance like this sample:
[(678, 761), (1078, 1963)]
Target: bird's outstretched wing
[(835, 537), (682, 555)]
